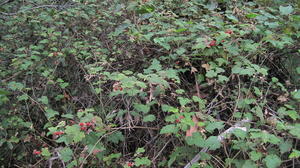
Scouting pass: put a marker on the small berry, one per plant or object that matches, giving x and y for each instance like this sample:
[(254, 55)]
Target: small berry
[(177, 121), (228, 31), (83, 128), (130, 164), (58, 133), (121, 88), (212, 43), (88, 124), (81, 124), (36, 152)]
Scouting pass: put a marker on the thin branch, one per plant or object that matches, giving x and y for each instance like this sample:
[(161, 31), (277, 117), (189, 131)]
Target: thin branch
[(221, 137), (4, 2), (161, 151), (92, 149)]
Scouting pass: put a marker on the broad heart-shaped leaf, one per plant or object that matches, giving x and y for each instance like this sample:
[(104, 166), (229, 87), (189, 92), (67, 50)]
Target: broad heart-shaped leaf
[(214, 125), (240, 133), (249, 164), (296, 94), (184, 101), (255, 156), (43, 100), (142, 108), (45, 152), (149, 118), (285, 10), (212, 143), (272, 161), (142, 161), (51, 113), (73, 134), (116, 137), (200, 44), (285, 146), (195, 139), (155, 65), (66, 154), (169, 129), (295, 130)]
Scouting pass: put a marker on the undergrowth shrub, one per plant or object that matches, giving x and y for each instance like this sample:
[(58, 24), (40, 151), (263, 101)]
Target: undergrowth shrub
[(149, 83)]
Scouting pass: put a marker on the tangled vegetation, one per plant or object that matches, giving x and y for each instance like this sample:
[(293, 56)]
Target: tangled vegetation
[(149, 83)]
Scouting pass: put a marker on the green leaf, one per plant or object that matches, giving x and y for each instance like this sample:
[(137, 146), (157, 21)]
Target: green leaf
[(73, 134), (140, 150), (15, 86), (43, 100), (296, 94), (295, 130), (45, 152), (286, 10), (180, 51), (255, 156), (298, 70), (285, 146), (169, 129), (23, 97), (162, 42), (240, 133), (142, 108), (142, 161), (294, 154), (167, 108), (252, 15), (69, 116), (196, 139), (200, 44), (232, 17), (149, 118), (145, 9), (116, 137), (155, 65), (265, 137), (212, 143), (184, 101), (257, 91), (272, 161), (249, 164), (51, 113), (112, 156), (214, 125), (293, 114), (66, 154), (4, 92)]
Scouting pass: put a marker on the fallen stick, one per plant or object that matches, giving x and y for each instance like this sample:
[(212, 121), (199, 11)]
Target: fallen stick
[(221, 137)]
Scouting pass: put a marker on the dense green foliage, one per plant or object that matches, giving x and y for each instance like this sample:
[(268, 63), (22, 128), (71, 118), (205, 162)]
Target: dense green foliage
[(149, 83)]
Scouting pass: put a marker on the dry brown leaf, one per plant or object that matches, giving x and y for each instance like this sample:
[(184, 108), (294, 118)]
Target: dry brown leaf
[(282, 98), (205, 66), (193, 70), (193, 128)]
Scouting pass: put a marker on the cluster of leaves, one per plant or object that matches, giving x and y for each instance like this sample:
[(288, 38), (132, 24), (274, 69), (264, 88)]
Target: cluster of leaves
[(149, 83)]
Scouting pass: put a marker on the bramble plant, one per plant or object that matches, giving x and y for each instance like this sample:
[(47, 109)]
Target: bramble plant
[(146, 83)]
